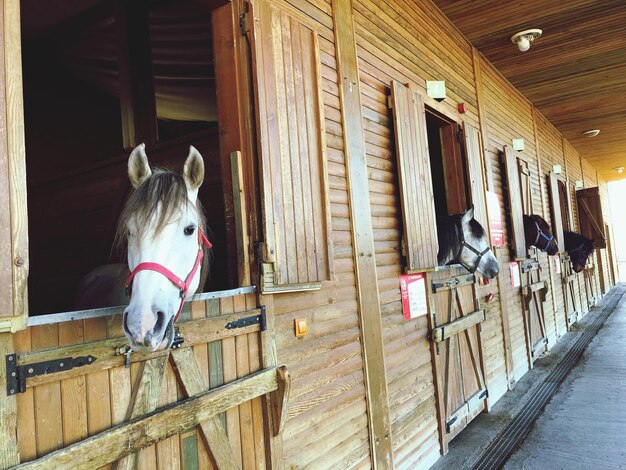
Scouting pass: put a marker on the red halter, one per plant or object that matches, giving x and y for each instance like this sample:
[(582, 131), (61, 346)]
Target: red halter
[(183, 286)]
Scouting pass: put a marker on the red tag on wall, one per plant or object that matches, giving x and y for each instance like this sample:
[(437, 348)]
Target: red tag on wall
[(413, 292), (496, 227)]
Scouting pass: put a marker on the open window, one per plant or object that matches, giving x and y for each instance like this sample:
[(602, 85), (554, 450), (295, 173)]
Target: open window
[(99, 78), (439, 170)]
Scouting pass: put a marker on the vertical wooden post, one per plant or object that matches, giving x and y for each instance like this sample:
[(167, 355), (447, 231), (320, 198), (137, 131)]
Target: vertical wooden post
[(9, 455), (13, 216), (362, 236), (136, 80)]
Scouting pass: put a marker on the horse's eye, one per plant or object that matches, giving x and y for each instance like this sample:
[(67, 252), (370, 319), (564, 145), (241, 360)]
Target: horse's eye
[(190, 229)]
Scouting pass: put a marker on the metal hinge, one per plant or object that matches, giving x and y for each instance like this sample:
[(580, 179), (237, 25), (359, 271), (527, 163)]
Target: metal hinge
[(449, 424), (244, 25), (459, 136), (17, 375), (259, 319)]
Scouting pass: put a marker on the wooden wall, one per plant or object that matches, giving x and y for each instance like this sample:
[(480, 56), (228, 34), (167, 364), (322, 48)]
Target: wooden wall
[(326, 420), (327, 423)]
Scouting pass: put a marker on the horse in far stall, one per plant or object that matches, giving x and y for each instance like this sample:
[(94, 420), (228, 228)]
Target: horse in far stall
[(162, 226), (537, 233), (578, 248), (462, 240)]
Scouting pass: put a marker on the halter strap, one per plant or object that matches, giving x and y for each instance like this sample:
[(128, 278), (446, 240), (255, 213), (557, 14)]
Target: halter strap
[(540, 234), (479, 254), (183, 286)]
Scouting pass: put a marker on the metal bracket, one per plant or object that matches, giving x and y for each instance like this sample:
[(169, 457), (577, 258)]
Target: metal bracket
[(17, 375), (449, 424), (178, 340), (259, 319)]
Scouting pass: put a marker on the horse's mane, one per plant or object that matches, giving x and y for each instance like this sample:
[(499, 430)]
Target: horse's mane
[(573, 239), (163, 187), (449, 235)]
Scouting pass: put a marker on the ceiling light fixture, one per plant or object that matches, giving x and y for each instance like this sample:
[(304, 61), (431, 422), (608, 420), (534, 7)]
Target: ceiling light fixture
[(591, 133), (619, 169), (524, 38)]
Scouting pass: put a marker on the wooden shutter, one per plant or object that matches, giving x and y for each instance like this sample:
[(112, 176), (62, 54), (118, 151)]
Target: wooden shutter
[(296, 219), (590, 217), (515, 203), (13, 209), (475, 173), (416, 191), (555, 206)]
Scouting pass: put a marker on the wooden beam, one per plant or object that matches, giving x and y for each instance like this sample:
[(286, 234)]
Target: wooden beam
[(144, 400), (280, 399), (213, 433), (9, 455), (443, 332), (506, 331), (232, 120), (362, 236), (136, 80), (111, 445), (239, 218), (14, 263)]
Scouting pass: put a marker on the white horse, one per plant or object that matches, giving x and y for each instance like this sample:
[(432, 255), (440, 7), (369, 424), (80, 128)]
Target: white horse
[(162, 225)]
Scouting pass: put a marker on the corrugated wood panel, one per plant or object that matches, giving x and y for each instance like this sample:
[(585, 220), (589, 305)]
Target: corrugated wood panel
[(293, 163), (66, 411), (415, 185)]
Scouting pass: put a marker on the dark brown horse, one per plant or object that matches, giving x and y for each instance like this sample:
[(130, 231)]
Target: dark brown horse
[(537, 233), (578, 248)]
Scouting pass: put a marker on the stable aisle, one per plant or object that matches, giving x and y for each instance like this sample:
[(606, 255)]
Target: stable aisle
[(584, 425)]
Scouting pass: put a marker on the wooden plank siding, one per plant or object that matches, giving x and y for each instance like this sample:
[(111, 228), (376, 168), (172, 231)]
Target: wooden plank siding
[(329, 421)]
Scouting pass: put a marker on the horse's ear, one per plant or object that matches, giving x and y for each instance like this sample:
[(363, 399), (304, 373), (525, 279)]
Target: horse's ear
[(194, 169), (469, 214), (138, 167)]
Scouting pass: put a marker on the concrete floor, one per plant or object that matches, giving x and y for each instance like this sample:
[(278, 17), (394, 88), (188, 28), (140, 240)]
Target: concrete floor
[(583, 426)]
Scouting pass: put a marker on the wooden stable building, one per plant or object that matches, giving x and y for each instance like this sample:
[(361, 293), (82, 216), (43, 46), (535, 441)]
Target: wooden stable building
[(327, 164)]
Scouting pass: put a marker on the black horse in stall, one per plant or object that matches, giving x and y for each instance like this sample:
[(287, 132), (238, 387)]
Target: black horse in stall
[(462, 240), (537, 233), (578, 248)]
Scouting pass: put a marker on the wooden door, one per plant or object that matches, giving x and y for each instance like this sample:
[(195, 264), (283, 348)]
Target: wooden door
[(533, 297), (457, 350), (206, 403)]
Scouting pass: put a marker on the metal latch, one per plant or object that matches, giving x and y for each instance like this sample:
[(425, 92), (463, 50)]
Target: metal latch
[(449, 424), (259, 319), (17, 375)]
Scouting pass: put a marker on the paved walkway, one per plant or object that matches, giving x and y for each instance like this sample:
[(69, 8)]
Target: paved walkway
[(584, 425)]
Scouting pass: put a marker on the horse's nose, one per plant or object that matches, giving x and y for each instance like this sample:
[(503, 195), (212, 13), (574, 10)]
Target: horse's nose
[(141, 328)]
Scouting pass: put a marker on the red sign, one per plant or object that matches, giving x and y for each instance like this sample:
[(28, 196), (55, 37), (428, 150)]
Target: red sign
[(515, 275), (496, 227), (413, 291)]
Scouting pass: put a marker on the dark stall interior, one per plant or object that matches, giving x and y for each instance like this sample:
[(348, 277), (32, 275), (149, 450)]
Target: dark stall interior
[(76, 158)]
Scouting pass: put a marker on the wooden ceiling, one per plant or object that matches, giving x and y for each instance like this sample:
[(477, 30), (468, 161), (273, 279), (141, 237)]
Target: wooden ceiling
[(575, 74)]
